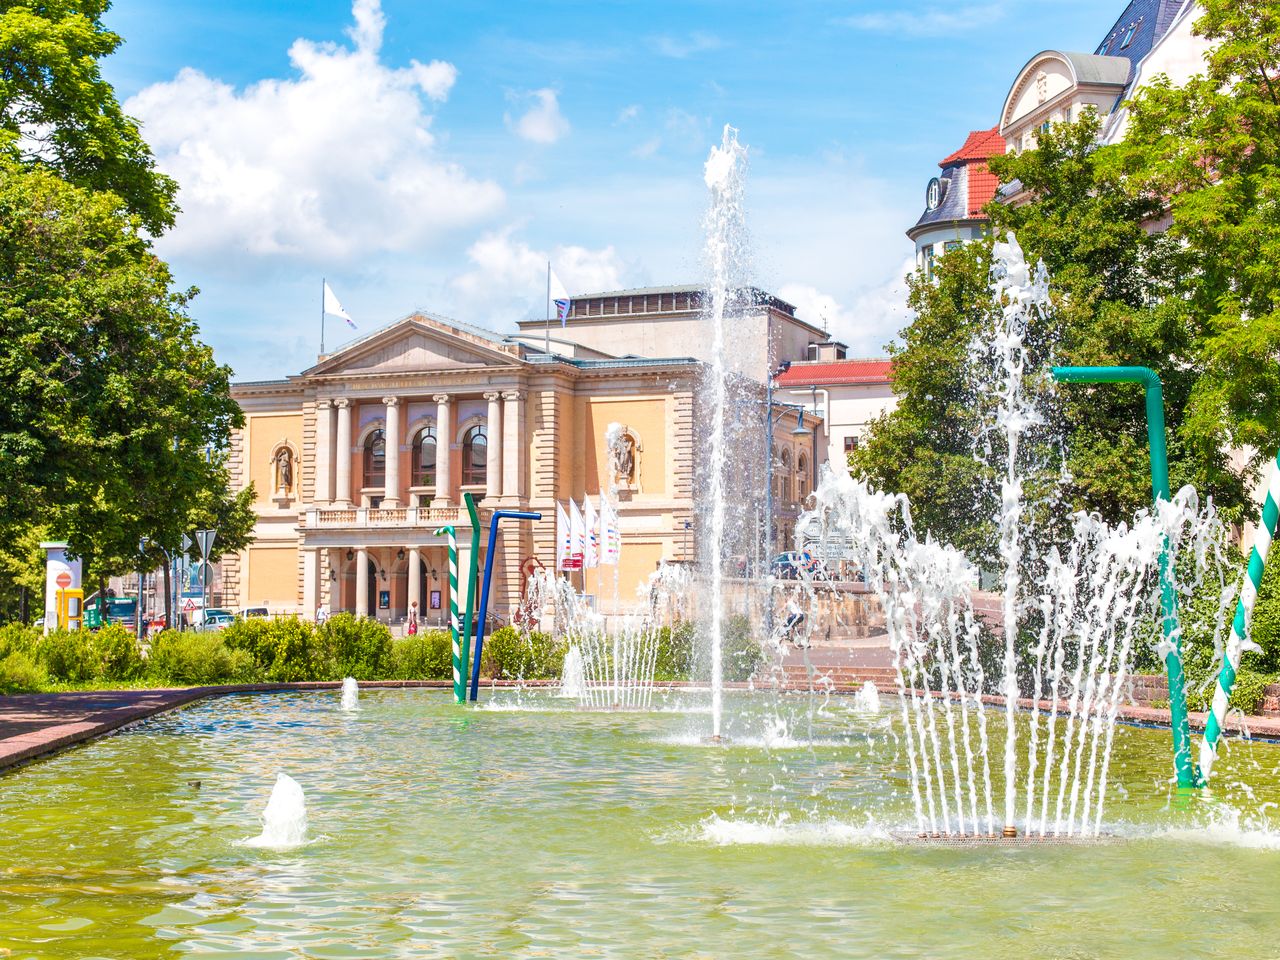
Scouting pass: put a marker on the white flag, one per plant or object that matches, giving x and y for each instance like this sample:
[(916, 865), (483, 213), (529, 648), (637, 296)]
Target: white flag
[(563, 536), (333, 308), (591, 555), (611, 534), (577, 536), (559, 296)]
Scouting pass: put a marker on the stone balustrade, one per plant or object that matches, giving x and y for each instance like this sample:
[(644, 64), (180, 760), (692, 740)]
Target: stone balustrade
[(347, 518)]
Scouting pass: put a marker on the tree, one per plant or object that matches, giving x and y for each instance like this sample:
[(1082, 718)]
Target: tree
[(1208, 153), (59, 114), (110, 398), (1115, 304)]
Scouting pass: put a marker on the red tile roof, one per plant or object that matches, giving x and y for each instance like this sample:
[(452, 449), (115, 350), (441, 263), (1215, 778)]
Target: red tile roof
[(835, 372), (982, 187), (980, 145)]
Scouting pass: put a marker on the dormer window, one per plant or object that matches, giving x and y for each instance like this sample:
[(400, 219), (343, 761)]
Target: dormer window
[(933, 195), (1128, 35)]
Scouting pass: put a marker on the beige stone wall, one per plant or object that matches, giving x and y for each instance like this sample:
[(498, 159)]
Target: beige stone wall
[(264, 432), (271, 577)]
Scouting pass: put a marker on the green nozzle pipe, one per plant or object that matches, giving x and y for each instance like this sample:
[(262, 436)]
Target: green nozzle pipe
[(1185, 767)]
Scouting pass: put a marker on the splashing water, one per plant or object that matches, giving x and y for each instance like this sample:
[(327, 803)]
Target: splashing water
[(1096, 596), (724, 175), (284, 821), (867, 700), (350, 694)]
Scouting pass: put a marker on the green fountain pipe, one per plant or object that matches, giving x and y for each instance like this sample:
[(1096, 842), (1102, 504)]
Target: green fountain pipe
[(1184, 765), (473, 578), (455, 629)]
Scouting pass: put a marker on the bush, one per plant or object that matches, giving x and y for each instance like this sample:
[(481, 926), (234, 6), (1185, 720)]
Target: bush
[(118, 655), (283, 650), (20, 672), (199, 658), (676, 656), (740, 652), (511, 655), (425, 656), (353, 647), (17, 637), (68, 656)]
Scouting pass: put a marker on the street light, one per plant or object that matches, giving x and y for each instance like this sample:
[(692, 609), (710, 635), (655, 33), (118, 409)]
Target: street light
[(142, 549)]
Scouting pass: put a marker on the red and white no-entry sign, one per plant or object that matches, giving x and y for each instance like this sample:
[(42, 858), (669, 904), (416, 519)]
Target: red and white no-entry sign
[(64, 580)]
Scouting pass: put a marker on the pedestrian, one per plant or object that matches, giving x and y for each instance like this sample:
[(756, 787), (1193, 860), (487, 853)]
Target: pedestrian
[(322, 614)]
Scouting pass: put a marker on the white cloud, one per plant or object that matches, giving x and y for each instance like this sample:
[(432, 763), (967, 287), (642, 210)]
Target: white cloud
[(334, 163), (648, 148), (930, 22), (543, 122), (680, 48), (628, 113), (507, 279), (877, 315)]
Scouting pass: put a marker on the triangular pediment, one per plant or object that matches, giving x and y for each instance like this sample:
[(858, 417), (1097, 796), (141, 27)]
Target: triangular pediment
[(417, 344)]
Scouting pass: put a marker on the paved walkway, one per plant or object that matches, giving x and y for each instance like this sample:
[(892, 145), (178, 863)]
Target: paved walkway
[(36, 724)]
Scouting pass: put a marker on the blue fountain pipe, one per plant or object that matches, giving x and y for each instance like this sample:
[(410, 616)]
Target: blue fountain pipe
[(482, 613)]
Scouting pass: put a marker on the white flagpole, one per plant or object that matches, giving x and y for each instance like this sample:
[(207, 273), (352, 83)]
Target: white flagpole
[(547, 340), (322, 283)]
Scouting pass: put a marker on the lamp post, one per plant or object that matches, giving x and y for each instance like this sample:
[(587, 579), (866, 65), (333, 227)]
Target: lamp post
[(799, 431), (142, 560)]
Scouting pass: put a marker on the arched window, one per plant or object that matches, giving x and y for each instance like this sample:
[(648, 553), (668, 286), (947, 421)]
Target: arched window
[(424, 458), (784, 476), (475, 456), (802, 475), (375, 459)]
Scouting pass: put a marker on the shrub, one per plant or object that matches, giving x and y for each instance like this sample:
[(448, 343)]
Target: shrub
[(199, 658), (68, 656), (740, 651), (281, 650), (424, 656), (676, 654), (509, 654), (351, 646), (17, 637), (20, 672), (118, 655)]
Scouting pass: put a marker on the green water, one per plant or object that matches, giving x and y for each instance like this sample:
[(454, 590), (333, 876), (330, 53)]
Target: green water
[(448, 832)]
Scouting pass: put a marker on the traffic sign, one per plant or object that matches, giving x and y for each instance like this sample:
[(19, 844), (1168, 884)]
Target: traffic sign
[(204, 538), (64, 580)]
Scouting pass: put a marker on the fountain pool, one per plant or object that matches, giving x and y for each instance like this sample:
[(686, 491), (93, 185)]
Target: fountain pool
[(444, 832)]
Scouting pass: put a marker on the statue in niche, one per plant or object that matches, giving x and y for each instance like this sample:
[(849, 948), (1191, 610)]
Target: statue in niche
[(284, 470)]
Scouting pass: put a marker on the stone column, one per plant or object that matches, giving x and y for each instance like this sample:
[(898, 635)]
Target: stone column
[(324, 452), (342, 452), (415, 583), (391, 489), (511, 459), (493, 463), (444, 445), (362, 582), (310, 583)]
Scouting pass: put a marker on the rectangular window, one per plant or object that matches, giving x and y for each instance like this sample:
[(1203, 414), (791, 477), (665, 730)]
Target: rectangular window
[(952, 245), (928, 261), (850, 444)]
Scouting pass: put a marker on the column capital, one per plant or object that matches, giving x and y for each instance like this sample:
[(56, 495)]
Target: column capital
[(511, 395), (492, 396), (441, 397), (323, 403), (391, 401), (341, 403)]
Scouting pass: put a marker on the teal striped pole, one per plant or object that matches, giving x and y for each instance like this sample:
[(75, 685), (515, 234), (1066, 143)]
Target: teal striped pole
[(455, 626), (1239, 640)]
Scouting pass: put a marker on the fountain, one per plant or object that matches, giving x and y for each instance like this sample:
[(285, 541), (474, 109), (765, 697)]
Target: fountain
[(867, 700), (1096, 591), (284, 821), (350, 694)]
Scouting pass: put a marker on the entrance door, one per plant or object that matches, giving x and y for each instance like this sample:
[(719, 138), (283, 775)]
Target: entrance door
[(373, 590)]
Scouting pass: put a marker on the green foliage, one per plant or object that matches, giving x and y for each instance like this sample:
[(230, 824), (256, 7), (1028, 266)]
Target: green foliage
[(353, 647), (20, 673), (110, 398), (676, 657), (51, 83), (282, 650), (199, 658), (19, 637), (427, 655), (511, 655), (69, 656), (740, 650), (117, 653)]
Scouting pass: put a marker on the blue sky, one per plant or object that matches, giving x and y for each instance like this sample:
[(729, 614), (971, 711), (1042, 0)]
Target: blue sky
[(435, 155)]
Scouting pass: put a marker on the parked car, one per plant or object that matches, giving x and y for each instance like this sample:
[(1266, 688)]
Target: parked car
[(217, 619), (792, 565), (249, 613)]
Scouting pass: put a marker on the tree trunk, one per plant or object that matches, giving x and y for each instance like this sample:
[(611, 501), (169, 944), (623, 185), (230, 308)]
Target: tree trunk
[(168, 598)]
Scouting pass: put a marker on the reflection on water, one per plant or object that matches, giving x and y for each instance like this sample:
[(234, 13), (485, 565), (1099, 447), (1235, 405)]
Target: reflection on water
[(444, 832)]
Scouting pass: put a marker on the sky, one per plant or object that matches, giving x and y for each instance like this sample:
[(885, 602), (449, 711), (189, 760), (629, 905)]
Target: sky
[(435, 156)]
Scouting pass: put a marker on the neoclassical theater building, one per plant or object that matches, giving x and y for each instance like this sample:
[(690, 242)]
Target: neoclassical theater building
[(359, 460)]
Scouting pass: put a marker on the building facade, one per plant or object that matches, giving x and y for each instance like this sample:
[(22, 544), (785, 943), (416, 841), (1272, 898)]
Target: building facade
[(846, 396), (359, 460), (954, 199)]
